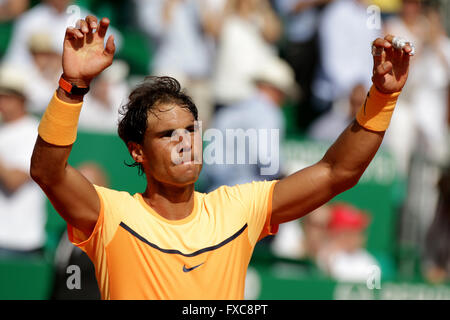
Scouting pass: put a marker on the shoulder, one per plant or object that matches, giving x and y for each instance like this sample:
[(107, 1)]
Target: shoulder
[(111, 192), (111, 197), (115, 206), (240, 192)]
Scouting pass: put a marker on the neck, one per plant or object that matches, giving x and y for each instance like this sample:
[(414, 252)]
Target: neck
[(171, 202)]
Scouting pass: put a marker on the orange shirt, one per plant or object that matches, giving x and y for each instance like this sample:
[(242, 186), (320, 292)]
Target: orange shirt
[(138, 254)]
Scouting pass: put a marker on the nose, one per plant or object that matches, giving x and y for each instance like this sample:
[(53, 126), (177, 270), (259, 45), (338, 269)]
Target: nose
[(185, 146), (183, 141)]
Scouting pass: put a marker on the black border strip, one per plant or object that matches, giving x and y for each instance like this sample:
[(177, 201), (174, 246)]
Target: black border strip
[(173, 251)]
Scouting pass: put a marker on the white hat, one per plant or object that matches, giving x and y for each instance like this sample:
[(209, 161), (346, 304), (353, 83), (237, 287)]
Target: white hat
[(41, 42), (279, 74), (12, 80), (116, 72)]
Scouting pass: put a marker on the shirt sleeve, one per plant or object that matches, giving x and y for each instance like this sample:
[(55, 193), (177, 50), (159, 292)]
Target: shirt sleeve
[(256, 198), (107, 222)]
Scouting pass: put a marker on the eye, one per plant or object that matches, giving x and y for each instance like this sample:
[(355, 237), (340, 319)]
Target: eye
[(167, 134)]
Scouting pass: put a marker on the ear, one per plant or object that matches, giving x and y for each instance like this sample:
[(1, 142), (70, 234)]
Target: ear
[(136, 152)]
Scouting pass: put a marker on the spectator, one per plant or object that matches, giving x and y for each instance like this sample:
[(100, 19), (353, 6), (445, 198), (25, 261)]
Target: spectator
[(328, 126), (301, 49), (22, 203), (108, 93), (49, 16), (315, 227), (424, 99), (182, 47), (298, 241), (344, 257), (344, 60), (43, 73), (213, 14), (248, 33), (10, 9), (437, 253), (275, 82)]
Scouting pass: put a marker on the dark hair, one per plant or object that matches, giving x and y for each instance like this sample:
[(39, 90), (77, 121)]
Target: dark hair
[(145, 98)]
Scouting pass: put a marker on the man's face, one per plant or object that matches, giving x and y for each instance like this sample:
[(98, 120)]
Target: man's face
[(411, 8), (170, 146), (349, 240), (48, 63), (11, 107)]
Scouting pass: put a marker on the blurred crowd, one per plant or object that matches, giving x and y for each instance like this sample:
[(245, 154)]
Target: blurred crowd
[(243, 61)]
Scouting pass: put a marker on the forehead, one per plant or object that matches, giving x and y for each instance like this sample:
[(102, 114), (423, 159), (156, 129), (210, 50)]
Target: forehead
[(169, 116)]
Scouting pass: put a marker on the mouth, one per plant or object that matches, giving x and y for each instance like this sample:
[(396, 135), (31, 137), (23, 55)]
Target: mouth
[(185, 155), (186, 159), (184, 162)]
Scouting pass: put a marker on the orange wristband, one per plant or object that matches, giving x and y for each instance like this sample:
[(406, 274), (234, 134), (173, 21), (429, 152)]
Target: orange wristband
[(376, 112), (59, 123)]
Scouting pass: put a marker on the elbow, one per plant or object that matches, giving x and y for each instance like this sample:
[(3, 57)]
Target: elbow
[(48, 164), (344, 180), (46, 176), (36, 173), (41, 174)]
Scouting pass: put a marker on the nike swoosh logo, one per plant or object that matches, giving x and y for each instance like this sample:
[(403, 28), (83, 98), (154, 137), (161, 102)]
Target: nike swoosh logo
[(190, 269)]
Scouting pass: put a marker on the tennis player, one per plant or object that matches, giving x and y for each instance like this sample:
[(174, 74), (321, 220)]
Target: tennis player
[(171, 242)]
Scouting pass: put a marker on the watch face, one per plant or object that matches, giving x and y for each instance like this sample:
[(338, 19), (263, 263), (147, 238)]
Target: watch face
[(79, 91)]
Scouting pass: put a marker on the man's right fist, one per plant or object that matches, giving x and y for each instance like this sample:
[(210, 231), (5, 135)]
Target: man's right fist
[(85, 54)]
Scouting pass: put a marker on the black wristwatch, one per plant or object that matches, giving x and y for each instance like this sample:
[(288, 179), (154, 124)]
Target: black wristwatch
[(72, 88)]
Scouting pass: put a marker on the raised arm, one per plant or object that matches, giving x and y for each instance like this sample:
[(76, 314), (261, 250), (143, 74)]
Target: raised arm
[(85, 56), (347, 159)]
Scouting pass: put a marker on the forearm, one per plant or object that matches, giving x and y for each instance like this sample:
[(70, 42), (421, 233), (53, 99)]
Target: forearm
[(70, 193), (49, 160), (350, 155), (352, 152), (338, 171)]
